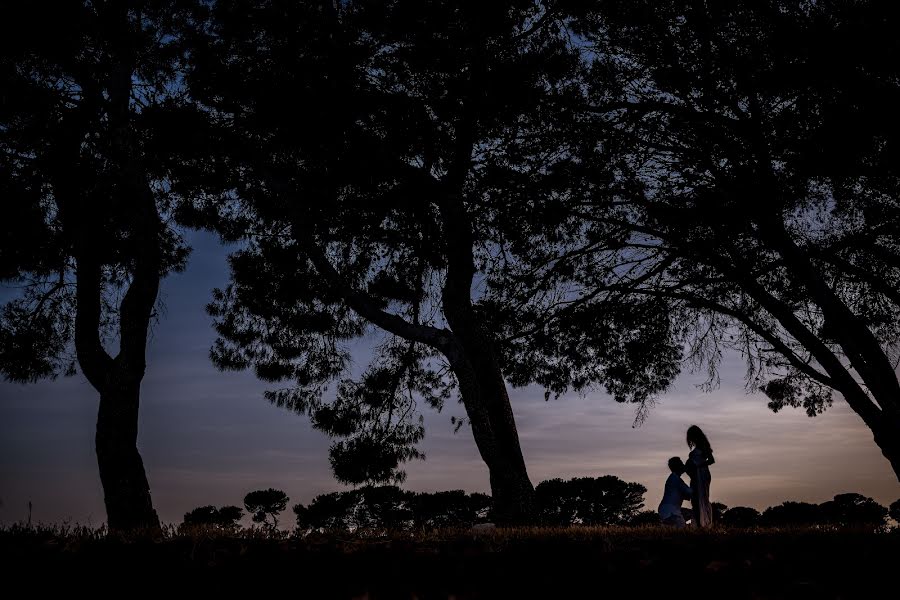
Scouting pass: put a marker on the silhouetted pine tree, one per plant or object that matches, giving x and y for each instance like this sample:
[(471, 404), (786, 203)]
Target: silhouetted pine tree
[(89, 90)]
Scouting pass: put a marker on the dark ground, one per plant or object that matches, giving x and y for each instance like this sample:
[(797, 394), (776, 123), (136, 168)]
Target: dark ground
[(547, 563)]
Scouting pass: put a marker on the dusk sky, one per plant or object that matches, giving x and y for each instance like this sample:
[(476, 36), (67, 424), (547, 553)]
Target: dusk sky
[(208, 437)]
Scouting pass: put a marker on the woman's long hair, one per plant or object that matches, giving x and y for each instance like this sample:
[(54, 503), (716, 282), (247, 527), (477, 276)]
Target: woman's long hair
[(696, 437)]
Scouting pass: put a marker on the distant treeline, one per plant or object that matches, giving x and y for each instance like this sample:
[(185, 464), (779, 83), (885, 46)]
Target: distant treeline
[(605, 500)]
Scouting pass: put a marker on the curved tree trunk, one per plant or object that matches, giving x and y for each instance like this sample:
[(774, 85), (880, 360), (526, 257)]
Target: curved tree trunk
[(126, 491), (469, 349), (123, 229), (477, 368), (486, 400), (125, 488), (887, 436)]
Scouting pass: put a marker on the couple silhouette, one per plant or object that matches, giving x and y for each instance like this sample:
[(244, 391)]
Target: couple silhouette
[(676, 491)]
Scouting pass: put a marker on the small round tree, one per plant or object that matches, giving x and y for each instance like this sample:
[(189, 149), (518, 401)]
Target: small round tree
[(263, 504), (894, 510)]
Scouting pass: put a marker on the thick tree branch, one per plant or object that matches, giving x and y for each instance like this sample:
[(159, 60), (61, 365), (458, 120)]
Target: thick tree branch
[(92, 357), (859, 273), (843, 380), (366, 307), (133, 189), (857, 341), (770, 337), (555, 315)]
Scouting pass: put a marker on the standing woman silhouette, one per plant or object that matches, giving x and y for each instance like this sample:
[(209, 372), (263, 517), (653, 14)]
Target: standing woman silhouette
[(697, 467)]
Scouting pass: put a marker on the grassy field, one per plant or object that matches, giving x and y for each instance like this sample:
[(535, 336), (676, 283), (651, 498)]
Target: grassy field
[(578, 562)]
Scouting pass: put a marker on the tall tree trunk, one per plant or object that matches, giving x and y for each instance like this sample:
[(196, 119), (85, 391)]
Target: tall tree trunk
[(125, 488), (486, 400), (126, 491), (470, 351), (887, 436), (477, 369)]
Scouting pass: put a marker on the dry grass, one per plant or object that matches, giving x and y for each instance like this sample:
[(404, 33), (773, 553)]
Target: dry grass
[(462, 564)]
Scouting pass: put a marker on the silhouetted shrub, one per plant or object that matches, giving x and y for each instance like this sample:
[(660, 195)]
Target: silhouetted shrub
[(230, 515), (225, 518), (718, 510), (202, 515), (328, 511), (894, 510), (603, 500), (453, 508), (792, 513), (741, 516), (385, 506), (368, 507), (389, 507), (645, 517), (853, 510), (591, 501)]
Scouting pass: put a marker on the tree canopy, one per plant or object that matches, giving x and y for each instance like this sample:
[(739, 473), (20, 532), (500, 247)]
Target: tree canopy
[(852, 509), (265, 504), (380, 160), (526, 192), (739, 169)]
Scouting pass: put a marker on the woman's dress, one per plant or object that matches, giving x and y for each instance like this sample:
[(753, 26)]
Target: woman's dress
[(698, 470)]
